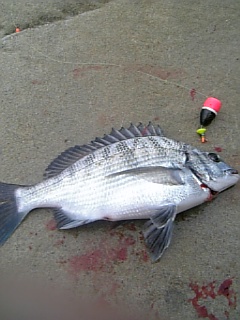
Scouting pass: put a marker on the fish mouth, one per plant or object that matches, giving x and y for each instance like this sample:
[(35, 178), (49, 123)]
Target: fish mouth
[(232, 171), (222, 184), (213, 193)]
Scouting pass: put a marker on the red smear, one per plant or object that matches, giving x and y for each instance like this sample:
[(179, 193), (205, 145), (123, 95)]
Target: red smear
[(218, 149), (89, 261), (102, 258), (118, 255), (156, 71), (131, 226), (59, 242), (97, 260), (141, 237), (207, 292), (79, 72), (101, 263), (76, 73), (203, 293), (36, 82), (229, 294), (141, 254), (116, 232), (128, 241), (193, 93), (156, 118), (144, 256), (108, 252), (51, 225)]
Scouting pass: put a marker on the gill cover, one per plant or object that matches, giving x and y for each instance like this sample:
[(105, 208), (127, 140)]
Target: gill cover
[(212, 170)]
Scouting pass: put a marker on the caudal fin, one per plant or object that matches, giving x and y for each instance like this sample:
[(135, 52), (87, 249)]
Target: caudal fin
[(10, 218)]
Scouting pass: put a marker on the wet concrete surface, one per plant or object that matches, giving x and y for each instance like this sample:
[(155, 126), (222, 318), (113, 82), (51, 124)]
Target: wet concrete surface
[(68, 81)]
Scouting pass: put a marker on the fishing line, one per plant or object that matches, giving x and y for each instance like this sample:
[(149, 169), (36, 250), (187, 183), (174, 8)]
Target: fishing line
[(178, 85), (47, 57)]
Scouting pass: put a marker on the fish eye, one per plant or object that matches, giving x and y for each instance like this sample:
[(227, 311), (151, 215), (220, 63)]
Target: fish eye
[(214, 157)]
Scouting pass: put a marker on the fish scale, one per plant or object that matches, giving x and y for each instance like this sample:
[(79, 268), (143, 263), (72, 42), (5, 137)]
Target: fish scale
[(134, 173)]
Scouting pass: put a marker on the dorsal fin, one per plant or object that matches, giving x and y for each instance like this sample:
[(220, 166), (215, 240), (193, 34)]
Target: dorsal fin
[(65, 159), (73, 154)]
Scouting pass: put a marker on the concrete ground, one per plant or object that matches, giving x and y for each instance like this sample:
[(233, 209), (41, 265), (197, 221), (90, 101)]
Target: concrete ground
[(67, 81)]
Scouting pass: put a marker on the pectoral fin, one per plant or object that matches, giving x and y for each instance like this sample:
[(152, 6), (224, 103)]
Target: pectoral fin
[(159, 174), (158, 231)]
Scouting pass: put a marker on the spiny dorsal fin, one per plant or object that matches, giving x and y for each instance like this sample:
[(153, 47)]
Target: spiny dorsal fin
[(73, 154)]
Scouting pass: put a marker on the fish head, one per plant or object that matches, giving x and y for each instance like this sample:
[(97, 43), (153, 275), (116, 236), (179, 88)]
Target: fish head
[(211, 170)]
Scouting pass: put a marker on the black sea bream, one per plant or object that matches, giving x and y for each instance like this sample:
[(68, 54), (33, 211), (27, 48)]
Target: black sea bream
[(134, 173)]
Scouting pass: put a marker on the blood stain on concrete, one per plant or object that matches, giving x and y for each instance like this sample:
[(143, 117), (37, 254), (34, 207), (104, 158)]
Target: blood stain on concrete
[(144, 256), (90, 261), (108, 253), (193, 93), (209, 291), (59, 242), (103, 257), (51, 225), (131, 226), (100, 263), (156, 71), (218, 149), (141, 237), (35, 81), (80, 72), (226, 291)]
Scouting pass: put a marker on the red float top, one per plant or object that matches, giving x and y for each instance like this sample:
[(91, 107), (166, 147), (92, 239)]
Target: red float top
[(212, 104)]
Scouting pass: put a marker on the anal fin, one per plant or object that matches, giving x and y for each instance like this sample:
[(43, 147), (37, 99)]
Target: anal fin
[(64, 222), (158, 231)]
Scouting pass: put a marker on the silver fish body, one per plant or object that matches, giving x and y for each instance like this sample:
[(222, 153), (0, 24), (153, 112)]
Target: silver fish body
[(134, 173)]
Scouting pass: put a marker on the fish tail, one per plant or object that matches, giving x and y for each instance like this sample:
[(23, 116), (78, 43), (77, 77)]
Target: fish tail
[(10, 217)]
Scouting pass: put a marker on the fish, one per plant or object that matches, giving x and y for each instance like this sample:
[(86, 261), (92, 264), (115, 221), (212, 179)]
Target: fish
[(131, 173)]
